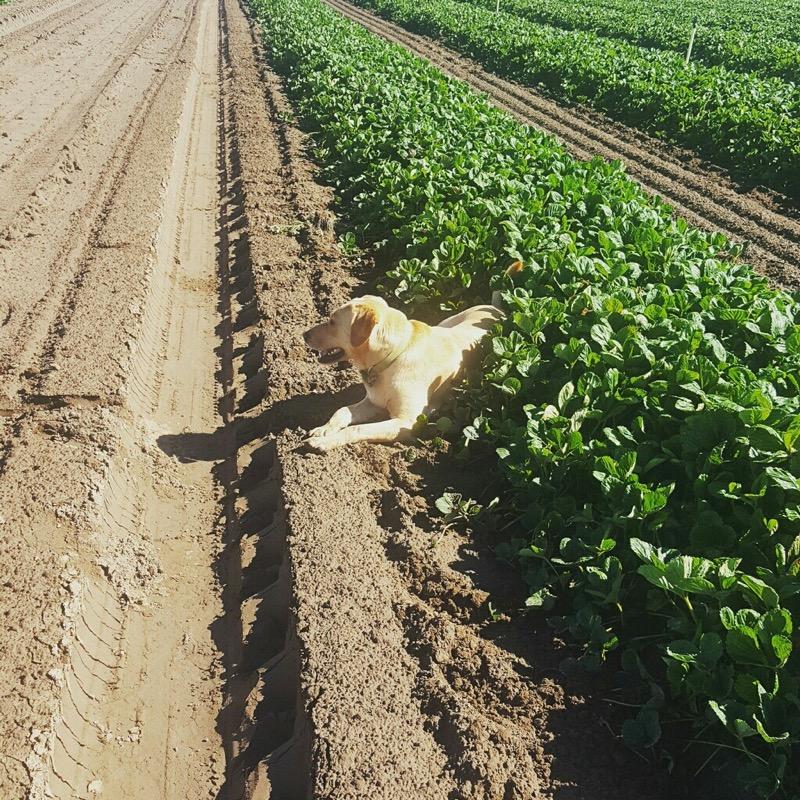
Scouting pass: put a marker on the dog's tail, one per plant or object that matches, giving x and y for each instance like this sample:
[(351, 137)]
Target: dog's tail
[(497, 300)]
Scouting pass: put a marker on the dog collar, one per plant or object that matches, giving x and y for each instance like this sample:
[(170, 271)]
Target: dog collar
[(371, 374)]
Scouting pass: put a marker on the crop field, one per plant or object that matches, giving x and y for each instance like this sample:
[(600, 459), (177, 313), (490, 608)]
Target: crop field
[(643, 400), (580, 579), (742, 35), (741, 120)]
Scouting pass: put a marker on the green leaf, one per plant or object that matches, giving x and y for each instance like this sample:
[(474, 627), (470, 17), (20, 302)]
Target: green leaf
[(644, 550), (445, 425), (601, 333), (654, 500), (791, 435), (672, 580), (711, 648), (443, 506), (767, 439), (705, 430), (741, 643), (567, 390), (770, 739), (511, 386), (726, 617), (776, 621), (627, 463), (719, 712), (781, 477), (642, 732), (742, 729), (682, 650), (746, 687), (759, 411), (782, 648), (763, 591), (543, 598)]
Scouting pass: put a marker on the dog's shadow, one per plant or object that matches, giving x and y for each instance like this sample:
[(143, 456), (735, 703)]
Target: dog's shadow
[(300, 413), (188, 446)]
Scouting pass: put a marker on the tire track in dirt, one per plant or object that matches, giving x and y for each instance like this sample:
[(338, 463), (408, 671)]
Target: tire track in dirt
[(152, 701), (33, 15), (109, 540), (61, 101), (72, 36), (696, 192), (162, 706), (70, 206)]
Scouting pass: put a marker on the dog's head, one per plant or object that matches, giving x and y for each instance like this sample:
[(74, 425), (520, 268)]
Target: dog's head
[(364, 327)]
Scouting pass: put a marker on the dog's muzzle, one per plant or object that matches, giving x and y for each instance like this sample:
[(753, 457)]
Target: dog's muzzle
[(330, 355)]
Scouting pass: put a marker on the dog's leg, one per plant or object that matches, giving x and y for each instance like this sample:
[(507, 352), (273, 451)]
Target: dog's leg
[(389, 430), (363, 411)]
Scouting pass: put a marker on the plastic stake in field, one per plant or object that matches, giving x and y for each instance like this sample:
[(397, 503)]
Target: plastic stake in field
[(691, 40)]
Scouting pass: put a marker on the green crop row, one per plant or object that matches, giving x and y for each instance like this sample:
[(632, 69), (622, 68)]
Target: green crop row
[(740, 36), (748, 124), (643, 396)]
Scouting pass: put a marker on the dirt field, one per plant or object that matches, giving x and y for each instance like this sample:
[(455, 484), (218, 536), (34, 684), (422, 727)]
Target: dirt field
[(191, 607)]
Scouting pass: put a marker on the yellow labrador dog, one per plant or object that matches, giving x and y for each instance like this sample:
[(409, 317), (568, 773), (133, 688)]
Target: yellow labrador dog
[(406, 366)]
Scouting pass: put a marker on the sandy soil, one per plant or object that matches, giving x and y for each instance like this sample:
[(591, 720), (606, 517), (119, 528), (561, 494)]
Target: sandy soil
[(767, 224), (108, 224), (190, 606)]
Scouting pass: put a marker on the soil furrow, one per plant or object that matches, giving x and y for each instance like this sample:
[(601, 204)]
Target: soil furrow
[(69, 18), (697, 192), (28, 15), (67, 45), (61, 105), (263, 719), (67, 214)]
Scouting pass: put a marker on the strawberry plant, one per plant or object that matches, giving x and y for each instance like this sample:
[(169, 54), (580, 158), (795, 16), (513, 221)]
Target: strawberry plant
[(643, 396), (746, 123), (735, 33)]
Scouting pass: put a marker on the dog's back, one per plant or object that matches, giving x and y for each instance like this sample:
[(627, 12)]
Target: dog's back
[(470, 325)]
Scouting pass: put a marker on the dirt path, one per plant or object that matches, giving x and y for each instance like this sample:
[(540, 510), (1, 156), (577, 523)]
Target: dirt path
[(166, 690), (66, 157), (699, 193), (111, 351)]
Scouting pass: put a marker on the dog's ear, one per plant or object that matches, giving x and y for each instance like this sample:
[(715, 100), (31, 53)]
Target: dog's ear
[(365, 319)]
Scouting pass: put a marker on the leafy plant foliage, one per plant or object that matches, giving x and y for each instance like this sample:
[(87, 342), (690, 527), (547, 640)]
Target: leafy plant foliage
[(643, 396), (739, 120), (740, 34)]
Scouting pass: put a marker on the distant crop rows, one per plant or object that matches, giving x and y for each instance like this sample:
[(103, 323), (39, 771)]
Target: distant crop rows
[(742, 35), (747, 123), (642, 400)]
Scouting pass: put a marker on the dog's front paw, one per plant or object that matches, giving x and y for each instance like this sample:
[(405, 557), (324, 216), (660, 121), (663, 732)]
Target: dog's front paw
[(322, 430), (319, 444)]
